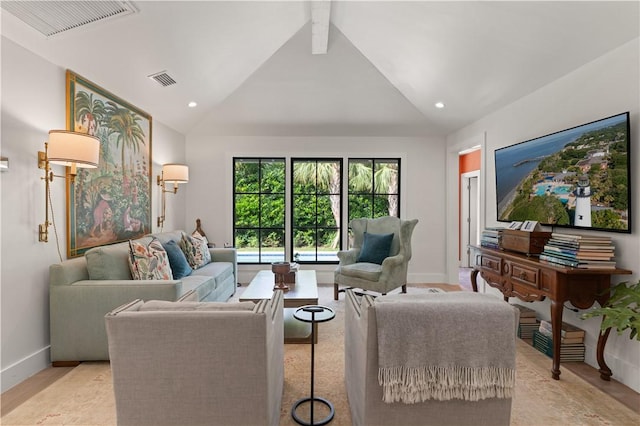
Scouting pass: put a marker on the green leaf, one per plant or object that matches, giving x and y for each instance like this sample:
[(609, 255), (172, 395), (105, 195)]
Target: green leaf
[(622, 311)]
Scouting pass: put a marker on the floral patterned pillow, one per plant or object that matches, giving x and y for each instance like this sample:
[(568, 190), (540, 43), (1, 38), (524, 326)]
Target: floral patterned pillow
[(149, 262), (196, 250)]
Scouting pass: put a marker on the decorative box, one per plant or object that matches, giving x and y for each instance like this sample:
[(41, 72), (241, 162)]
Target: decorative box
[(290, 277), (529, 243)]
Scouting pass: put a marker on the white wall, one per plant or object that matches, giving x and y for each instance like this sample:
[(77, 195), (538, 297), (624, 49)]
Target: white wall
[(168, 147), (336, 105), (604, 87), (209, 195), (33, 102)]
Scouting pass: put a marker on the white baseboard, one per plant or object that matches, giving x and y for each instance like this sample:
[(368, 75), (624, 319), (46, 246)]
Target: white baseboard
[(623, 371), (25, 368)]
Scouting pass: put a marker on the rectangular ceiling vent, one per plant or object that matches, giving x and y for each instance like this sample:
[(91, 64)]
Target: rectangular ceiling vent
[(162, 78), (55, 17)]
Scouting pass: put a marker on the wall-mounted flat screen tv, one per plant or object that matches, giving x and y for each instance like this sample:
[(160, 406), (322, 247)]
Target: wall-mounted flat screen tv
[(575, 178)]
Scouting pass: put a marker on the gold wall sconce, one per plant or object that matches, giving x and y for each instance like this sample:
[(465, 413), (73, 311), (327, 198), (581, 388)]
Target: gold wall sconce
[(69, 149), (175, 174), (4, 164)]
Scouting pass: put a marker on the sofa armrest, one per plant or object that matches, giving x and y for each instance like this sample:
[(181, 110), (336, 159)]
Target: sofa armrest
[(226, 254), (77, 313), (357, 333), (68, 272)]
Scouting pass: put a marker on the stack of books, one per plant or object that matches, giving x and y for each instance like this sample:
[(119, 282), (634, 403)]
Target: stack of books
[(571, 345), (528, 322), (580, 251), (491, 237)]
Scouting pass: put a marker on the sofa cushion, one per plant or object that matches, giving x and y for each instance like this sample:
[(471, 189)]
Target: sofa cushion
[(163, 305), (202, 285), (149, 261), (221, 271), (375, 248), (196, 250), (177, 260), (109, 262)]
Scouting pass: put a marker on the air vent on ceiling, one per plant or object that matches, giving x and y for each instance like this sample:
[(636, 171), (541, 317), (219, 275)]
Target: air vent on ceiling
[(162, 78), (55, 17)]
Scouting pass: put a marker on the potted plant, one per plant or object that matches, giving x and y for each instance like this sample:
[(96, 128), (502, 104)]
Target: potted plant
[(622, 311)]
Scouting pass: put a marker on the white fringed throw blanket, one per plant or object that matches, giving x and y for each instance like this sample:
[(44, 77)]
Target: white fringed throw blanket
[(444, 346)]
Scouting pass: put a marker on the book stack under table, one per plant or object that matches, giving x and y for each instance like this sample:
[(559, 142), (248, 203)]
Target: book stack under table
[(571, 345), (528, 322), (580, 251)]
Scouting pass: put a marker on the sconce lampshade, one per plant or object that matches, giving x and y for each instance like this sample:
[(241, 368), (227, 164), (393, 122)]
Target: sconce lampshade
[(68, 148), (175, 173)]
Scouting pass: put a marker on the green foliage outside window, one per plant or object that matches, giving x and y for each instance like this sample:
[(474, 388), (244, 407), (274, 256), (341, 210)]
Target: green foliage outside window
[(259, 200), (259, 203)]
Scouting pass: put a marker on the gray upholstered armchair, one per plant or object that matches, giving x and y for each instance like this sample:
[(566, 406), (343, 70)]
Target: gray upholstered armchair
[(455, 366), (363, 266), (197, 363)]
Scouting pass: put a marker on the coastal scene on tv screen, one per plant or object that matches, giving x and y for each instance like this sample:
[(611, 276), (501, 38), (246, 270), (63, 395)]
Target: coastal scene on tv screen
[(578, 177)]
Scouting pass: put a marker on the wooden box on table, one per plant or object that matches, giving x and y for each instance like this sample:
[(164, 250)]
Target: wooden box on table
[(529, 243)]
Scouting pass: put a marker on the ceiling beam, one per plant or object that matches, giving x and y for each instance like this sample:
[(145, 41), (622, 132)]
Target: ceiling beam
[(320, 13)]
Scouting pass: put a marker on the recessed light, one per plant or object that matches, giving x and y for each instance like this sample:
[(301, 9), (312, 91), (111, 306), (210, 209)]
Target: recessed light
[(192, 104), (439, 105)]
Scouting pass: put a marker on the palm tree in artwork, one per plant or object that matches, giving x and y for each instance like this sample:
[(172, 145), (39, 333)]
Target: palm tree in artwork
[(88, 112), (124, 123)]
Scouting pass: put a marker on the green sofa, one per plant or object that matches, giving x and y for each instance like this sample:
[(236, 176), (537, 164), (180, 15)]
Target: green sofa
[(83, 290)]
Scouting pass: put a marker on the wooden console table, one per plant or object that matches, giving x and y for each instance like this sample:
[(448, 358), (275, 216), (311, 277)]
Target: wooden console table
[(530, 279)]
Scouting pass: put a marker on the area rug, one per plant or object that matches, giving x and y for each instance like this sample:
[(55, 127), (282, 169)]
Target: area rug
[(85, 395)]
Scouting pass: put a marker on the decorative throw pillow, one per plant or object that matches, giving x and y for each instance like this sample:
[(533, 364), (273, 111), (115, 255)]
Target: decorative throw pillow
[(375, 248), (149, 261), (177, 260), (196, 250), (196, 234)]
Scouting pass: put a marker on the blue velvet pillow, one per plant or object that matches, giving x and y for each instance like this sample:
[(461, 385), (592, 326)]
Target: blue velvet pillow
[(177, 260), (375, 248)]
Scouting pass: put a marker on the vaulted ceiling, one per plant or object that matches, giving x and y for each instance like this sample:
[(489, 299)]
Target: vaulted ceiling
[(387, 63)]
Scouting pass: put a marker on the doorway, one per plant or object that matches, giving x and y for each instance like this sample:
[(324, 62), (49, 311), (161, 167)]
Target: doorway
[(469, 215)]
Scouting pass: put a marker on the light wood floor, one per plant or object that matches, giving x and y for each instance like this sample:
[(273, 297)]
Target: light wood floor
[(30, 387)]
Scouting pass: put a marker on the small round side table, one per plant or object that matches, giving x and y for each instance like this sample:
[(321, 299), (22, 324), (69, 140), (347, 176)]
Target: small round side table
[(313, 314)]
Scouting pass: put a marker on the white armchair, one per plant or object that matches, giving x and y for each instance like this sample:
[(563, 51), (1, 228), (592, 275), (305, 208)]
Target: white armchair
[(354, 271)]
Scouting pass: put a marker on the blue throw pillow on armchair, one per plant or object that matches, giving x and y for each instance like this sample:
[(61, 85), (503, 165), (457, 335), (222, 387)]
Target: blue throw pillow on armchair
[(375, 248), (177, 260)]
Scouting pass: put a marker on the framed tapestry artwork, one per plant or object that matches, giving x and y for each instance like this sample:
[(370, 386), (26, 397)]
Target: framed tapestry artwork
[(110, 203)]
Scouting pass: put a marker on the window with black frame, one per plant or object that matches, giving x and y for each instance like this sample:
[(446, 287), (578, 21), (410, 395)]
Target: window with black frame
[(259, 209), (316, 197), (374, 187)]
